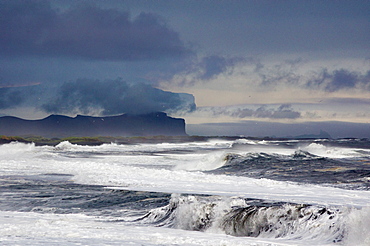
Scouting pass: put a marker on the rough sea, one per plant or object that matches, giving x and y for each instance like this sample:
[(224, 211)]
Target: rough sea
[(216, 192)]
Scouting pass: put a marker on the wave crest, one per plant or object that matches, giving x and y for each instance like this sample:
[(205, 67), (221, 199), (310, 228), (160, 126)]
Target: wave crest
[(250, 218)]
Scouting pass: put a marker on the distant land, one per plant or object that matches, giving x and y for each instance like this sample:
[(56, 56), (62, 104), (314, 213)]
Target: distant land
[(59, 126), (322, 135)]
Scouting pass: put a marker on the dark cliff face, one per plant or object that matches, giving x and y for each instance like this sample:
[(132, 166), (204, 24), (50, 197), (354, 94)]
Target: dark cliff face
[(152, 124)]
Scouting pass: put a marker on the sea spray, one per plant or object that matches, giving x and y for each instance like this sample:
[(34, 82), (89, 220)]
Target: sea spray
[(358, 227)]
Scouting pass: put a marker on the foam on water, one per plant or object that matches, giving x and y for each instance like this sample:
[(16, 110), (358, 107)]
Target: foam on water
[(199, 161), (358, 227), (72, 229), (239, 217), (123, 173), (15, 149), (179, 168), (331, 152)]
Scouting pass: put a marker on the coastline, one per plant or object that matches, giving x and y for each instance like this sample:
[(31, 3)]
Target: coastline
[(95, 141)]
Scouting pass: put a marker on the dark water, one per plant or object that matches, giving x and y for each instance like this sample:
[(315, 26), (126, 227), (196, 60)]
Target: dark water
[(50, 193)]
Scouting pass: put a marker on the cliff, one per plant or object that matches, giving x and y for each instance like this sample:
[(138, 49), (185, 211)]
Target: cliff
[(57, 126)]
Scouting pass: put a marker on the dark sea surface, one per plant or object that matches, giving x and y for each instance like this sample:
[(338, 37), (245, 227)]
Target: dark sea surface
[(215, 192)]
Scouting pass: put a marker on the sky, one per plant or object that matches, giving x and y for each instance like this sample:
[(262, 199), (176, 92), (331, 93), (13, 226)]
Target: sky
[(252, 68)]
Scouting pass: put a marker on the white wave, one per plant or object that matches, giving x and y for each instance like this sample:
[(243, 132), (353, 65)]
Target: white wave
[(66, 145), (199, 161), (150, 167), (358, 228), (317, 225), (254, 142), (16, 148), (163, 174), (245, 141), (234, 216), (149, 147), (331, 152), (76, 229), (316, 148)]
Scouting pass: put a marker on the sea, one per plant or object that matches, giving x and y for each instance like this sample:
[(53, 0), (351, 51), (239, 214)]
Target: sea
[(214, 192)]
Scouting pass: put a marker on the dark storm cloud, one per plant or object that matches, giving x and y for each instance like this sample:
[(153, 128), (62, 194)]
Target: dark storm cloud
[(284, 111), (95, 97), (270, 26), (340, 80), (33, 28), (10, 98)]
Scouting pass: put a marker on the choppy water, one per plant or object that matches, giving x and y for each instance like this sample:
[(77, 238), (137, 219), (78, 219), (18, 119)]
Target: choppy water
[(219, 192)]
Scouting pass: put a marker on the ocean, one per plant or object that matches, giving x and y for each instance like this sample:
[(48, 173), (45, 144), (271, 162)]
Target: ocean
[(213, 192)]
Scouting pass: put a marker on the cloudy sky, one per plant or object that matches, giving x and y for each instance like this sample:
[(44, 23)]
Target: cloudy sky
[(253, 68)]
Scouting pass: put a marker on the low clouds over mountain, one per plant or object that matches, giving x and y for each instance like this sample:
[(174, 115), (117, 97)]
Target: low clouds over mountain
[(95, 97)]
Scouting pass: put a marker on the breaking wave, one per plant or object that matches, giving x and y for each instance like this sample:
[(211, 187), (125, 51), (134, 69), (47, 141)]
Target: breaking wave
[(256, 218), (302, 167)]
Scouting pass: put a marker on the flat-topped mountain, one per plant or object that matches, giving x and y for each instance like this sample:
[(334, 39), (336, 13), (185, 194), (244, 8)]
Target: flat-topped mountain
[(57, 126)]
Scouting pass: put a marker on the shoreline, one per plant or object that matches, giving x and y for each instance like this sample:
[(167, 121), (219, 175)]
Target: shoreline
[(95, 141)]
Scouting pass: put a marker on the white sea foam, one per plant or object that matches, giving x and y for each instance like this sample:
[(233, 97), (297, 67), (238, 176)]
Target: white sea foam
[(334, 152), (160, 173), (75, 229), (358, 228), (234, 216), (161, 168), (15, 149)]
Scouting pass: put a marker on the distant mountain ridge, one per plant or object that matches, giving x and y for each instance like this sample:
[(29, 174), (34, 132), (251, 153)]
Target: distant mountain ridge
[(56, 126)]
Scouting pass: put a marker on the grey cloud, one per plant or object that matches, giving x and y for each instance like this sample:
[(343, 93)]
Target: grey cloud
[(339, 80), (255, 27), (287, 73), (211, 66), (33, 28), (366, 81), (282, 73), (284, 111), (115, 97), (95, 97), (9, 98), (241, 113)]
